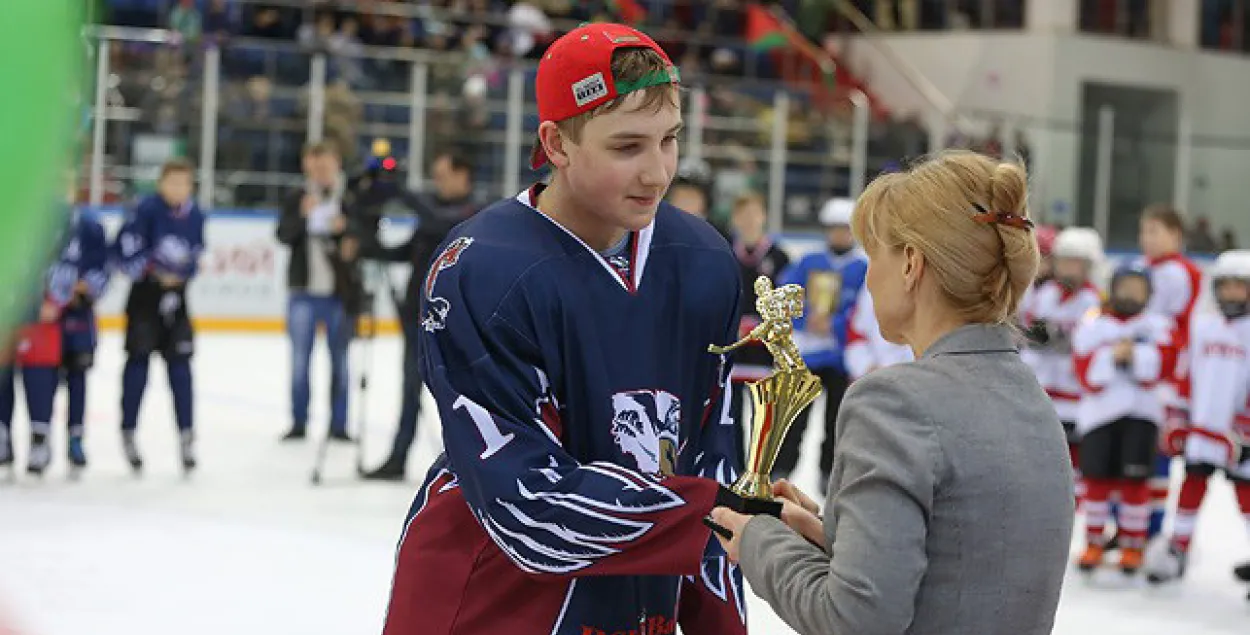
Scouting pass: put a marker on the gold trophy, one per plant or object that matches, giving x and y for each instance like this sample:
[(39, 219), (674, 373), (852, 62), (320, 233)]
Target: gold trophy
[(776, 400), (824, 289)]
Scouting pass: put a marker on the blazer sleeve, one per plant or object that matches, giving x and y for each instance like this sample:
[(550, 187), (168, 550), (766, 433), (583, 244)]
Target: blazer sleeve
[(885, 473)]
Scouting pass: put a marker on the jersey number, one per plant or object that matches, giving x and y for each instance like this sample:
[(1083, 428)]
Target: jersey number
[(494, 437)]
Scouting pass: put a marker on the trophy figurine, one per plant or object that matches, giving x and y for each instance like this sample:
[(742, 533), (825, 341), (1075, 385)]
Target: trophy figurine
[(776, 400)]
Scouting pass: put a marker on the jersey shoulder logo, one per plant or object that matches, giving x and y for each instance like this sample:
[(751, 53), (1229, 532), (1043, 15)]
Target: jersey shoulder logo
[(436, 317), (645, 425)]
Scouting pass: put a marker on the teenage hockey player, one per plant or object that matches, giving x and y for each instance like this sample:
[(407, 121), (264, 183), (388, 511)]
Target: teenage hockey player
[(1176, 281), (832, 278), (565, 336), (1057, 306), (75, 282), (63, 331), (1217, 381), (158, 248), (1120, 355)]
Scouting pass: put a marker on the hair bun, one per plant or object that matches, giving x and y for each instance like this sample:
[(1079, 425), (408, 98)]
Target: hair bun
[(1009, 190)]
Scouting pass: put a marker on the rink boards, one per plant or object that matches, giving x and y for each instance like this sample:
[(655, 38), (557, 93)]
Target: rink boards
[(242, 281)]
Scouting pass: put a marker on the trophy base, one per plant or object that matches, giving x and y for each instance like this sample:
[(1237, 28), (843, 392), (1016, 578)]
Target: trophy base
[(743, 505)]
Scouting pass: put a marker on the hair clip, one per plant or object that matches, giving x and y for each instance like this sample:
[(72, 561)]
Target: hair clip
[(1001, 218)]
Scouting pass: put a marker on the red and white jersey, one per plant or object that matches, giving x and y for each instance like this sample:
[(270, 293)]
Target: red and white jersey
[(1219, 375), (1175, 285), (1110, 392), (866, 349), (1062, 309)]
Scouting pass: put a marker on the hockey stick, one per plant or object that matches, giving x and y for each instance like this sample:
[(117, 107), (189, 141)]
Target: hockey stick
[(368, 336), (371, 331), (323, 447)]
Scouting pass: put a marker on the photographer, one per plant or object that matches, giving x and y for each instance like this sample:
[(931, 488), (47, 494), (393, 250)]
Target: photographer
[(323, 279), (452, 201)]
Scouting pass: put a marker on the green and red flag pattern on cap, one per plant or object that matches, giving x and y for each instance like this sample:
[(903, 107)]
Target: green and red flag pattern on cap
[(575, 73)]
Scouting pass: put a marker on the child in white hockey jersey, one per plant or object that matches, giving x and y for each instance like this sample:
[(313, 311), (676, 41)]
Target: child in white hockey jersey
[(1120, 355), (1176, 281), (1218, 435), (866, 349), (1055, 310)]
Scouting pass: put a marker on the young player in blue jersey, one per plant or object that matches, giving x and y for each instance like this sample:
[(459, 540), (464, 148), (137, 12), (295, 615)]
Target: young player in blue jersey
[(79, 277), (159, 248), (565, 336), (62, 334)]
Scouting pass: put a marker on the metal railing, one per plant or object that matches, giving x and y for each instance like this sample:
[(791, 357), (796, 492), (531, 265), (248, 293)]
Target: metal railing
[(245, 108)]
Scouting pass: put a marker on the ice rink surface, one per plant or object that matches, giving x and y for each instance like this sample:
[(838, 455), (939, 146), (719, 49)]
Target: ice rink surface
[(248, 546)]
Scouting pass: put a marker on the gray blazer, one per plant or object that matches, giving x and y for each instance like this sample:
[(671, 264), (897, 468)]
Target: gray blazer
[(950, 505)]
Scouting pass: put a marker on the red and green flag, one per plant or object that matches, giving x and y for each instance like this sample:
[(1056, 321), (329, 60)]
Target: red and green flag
[(764, 31), (630, 11)]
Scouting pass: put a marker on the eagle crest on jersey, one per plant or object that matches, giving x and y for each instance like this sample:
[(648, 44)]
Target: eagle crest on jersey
[(436, 317), (174, 251), (645, 425)]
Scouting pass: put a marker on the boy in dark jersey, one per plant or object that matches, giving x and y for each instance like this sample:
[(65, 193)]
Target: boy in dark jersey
[(565, 336)]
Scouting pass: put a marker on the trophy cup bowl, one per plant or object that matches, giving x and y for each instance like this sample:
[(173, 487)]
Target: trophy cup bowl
[(776, 402)]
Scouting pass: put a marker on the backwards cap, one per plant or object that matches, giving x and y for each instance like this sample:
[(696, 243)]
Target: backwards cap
[(575, 74)]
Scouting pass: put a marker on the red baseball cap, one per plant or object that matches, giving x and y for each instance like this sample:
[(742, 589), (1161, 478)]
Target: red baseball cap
[(575, 73)]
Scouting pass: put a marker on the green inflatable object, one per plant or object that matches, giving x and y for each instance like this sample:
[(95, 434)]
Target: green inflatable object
[(42, 63)]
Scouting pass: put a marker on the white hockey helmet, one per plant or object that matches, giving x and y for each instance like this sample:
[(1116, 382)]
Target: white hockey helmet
[(1078, 242), (1234, 263), (837, 211)]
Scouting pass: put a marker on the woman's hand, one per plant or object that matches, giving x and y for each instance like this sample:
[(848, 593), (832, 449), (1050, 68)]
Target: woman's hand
[(786, 490), (800, 512), (804, 523)]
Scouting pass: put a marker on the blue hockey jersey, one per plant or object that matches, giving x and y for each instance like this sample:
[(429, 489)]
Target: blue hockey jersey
[(84, 257), (158, 239), (851, 269), (586, 427)]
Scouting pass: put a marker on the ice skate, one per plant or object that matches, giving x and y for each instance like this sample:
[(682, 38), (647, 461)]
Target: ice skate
[(6, 455), (40, 455), (1164, 563), (1131, 560), (1091, 559), (186, 445), (77, 456), (132, 451), (6, 449)]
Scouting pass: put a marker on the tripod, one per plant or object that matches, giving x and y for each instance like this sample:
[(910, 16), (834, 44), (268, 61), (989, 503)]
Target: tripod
[(367, 336)]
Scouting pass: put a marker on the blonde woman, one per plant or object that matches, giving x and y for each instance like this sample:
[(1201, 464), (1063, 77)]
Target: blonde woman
[(950, 503)]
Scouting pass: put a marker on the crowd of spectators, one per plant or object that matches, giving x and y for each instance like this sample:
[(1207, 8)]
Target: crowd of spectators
[(266, 52)]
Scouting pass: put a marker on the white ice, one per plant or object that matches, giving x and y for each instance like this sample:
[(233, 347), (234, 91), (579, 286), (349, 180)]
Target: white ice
[(249, 546)]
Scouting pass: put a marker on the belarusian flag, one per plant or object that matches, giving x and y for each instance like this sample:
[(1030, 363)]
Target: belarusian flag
[(629, 10), (764, 31)]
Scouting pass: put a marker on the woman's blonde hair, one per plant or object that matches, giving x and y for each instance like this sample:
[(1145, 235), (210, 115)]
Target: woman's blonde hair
[(967, 214)]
